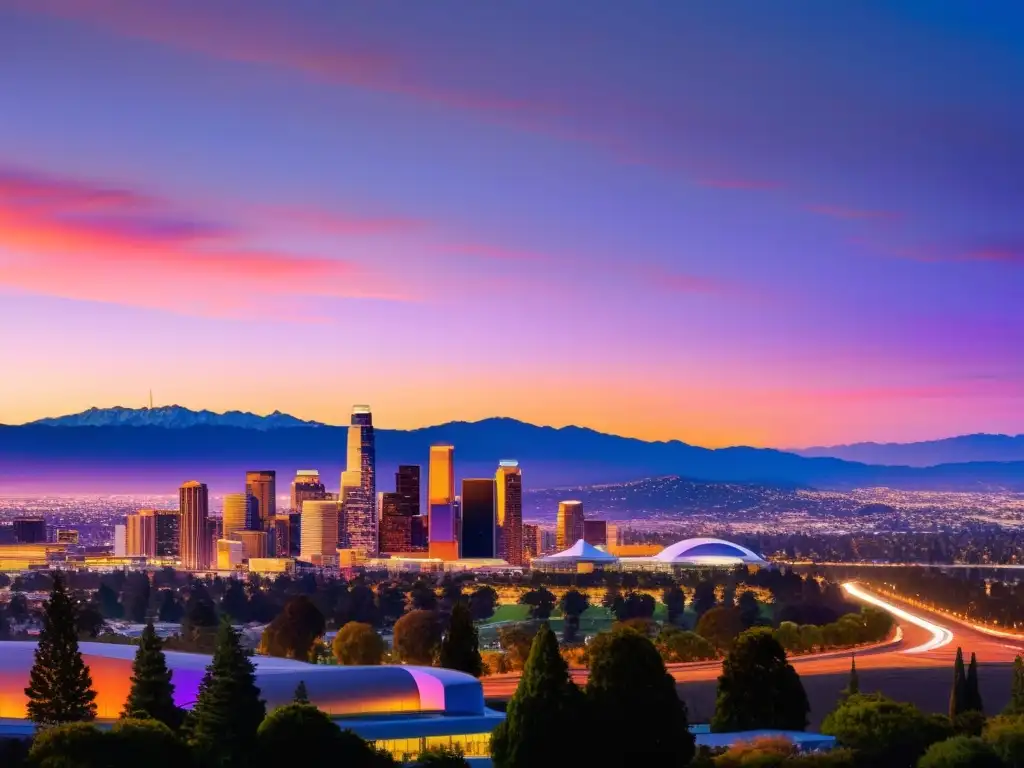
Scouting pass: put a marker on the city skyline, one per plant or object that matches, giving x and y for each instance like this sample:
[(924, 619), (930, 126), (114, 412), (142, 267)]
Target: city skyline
[(681, 232)]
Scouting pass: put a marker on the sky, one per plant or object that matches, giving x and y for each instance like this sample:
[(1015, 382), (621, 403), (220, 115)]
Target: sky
[(775, 224)]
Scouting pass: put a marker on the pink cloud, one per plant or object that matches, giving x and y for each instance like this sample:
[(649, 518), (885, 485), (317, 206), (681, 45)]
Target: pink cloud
[(344, 224), (493, 252)]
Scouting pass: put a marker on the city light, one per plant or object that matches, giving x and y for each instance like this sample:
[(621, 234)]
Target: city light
[(940, 635)]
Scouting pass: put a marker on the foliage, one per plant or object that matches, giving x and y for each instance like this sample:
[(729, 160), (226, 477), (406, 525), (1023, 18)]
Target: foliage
[(960, 752), (301, 729), (293, 632), (762, 751), (720, 626), (1016, 703), (969, 723), (675, 603), (422, 597), (417, 636), (152, 692), (573, 604), (1006, 736), (483, 602), (357, 643), (958, 693), (60, 686), (883, 732), (973, 702), (132, 742), (69, 745), (442, 757), (88, 621), (853, 686), (546, 708), (678, 645), (704, 597), (301, 696), (228, 709), (516, 641), (460, 646), (541, 602), (629, 691), (750, 611), (758, 688)]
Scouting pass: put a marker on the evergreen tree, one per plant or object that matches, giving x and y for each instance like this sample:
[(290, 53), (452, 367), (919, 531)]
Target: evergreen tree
[(152, 692), (460, 646), (60, 686), (958, 693), (852, 687), (1016, 703), (300, 696), (974, 703), (543, 716), (228, 709)]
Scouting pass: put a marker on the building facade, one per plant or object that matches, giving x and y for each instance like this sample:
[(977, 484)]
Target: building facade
[(509, 481), (194, 503), (306, 487), (395, 527), (595, 532), (319, 532), (531, 541), (479, 529), (359, 487), (241, 513), (442, 542), (140, 533), (29, 530), (168, 533), (262, 484), (569, 527), (254, 543)]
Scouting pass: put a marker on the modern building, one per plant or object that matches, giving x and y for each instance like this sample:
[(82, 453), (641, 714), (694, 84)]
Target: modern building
[(283, 533), (29, 530), (478, 537), (319, 532), (262, 484), (168, 533), (140, 533), (67, 536), (395, 527), (686, 554), (120, 540), (194, 503), (595, 532), (442, 542), (407, 486), (509, 481), (420, 535), (254, 543), (612, 535), (569, 527), (531, 541), (230, 554), (241, 513), (306, 487), (359, 487)]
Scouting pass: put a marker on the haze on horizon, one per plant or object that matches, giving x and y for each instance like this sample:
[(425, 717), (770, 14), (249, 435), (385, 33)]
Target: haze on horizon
[(774, 225)]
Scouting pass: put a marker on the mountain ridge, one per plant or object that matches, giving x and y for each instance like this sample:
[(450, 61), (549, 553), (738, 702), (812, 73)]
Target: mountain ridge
[(977, 447)]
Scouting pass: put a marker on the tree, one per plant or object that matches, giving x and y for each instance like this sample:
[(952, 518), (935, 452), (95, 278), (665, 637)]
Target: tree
[(1016, 703), (630, 692), (720, 626), (88, 621), (750, 610), (573, 604), (357, 643), (704, 597), (460, 646), (300, 696), (442, 757), (960, 752), (417, 635), (758, 688), (675, 603), (958, 693), (541, 602), (390, 603), (170, 610), (422, 597), (483, 602), (152, 692), (132, 742), (228, 709), (293, 632), (677, 645), (884, 732), (69, 745), (853, 686), (973, 701), (301, 729), (60, 686), (1006, 735), (516, 641), (544, 710)]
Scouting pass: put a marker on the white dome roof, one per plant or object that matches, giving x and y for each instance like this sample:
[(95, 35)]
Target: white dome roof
[(709, 551)]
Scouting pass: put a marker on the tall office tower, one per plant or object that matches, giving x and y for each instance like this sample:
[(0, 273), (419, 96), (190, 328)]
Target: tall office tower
[(548, 541), (29, 530), (359, 486), (168, 533), (140, 537), (306, 485), (569, 528), (319, 532), (509, 481), (407, 486), (283, 535), (595, 532), (229, 554), (263, 485), (241, 512), (418, 533), (531, 541), (194, 503), (395, 526), (254, 543), (442, 542), (478, 519), (611, 535), (294, 533), (120, 540)]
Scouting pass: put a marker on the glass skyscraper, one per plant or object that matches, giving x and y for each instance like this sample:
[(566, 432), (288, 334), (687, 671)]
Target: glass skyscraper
[(358, 530), (194, 502), (478, 520), (442, 542), (263, 485), (509, 481)]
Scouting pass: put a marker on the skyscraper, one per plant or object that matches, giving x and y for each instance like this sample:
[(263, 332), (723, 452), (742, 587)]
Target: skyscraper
[(254, 543), (395, 527), (569, 528), (283, 534), (442, 542), (29, 530), (359, 486), (478, 518), (140, 533), (407, 486), (595, 532), (168, 533), (241, 513), (306, 485), (194, 502), (531, 541), (319, 532), (509, 481)]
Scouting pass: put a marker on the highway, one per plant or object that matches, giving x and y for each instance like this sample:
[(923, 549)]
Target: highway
[(925, 640)]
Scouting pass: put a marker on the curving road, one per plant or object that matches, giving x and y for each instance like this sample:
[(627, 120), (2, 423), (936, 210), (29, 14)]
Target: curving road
[(925, 639)]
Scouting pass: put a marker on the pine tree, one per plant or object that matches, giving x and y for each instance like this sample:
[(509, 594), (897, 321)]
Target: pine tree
[(973, 699), (60, 686), (1016, 704), (460, 647), (958, 693), (300, 696), (152, 692), (228, 709), (852, 687)]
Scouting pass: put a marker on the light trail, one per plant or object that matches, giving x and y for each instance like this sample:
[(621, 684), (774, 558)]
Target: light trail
[(940, 635)]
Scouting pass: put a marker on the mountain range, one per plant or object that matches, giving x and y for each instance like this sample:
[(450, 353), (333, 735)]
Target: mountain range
[(965, 448), (154, 450)]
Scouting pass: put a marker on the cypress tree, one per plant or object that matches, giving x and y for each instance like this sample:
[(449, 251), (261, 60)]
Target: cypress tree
[(852, 687), (460, 646), (958, 693), (540, 726), (228, 709), (152, 692), (1016, 703), (974, 703), (60, 686), (300, 696)]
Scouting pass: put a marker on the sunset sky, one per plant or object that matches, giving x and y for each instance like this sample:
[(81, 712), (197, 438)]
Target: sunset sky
[(770, 223)]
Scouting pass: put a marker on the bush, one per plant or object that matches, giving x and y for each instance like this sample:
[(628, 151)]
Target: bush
[(72, 745), (960, 752), (1006, 736), (678, 645), (358, 644)]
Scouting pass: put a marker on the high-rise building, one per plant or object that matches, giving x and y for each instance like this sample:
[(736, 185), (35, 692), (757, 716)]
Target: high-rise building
[(29, 530), (241, 513), (407, 486), (283, 534), (140, 534), (548, 541), (419, 535), (509, 480), (319, 532), (254, 543), (294, 533), (120, 540), (229, 554), (194, 503), (569, 528), (168, 533), (67, 536), (531, 541), (395, 527), (611, 535), (442, 543), (478, 519), (306, 485), (263, 485), (595, 532), (359, 487)]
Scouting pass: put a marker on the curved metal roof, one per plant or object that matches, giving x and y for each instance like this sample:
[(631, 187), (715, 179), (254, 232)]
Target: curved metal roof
[(706, 550)]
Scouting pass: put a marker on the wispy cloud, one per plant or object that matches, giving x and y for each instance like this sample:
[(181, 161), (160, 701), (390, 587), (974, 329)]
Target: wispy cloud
[(341, 223)]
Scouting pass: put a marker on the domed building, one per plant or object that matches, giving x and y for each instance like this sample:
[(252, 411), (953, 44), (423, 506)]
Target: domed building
[(688, 553)]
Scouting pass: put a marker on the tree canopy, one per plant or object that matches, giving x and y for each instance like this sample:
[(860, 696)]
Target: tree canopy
[(357, 643), (960, 752), (417, 637), (152, 692), (293, 632), (460, 646)]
